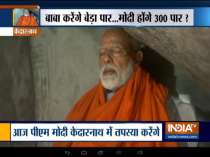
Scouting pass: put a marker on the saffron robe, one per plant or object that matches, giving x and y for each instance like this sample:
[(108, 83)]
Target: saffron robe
[(141, 98), (27, 21)]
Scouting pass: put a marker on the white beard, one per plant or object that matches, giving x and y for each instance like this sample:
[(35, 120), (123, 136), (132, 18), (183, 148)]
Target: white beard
[(117, 79)]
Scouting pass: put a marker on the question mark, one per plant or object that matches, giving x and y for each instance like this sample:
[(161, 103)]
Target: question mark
[(186, 17)]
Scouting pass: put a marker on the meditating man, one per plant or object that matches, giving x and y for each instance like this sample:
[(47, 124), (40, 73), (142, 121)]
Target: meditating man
[(27, 19), (125, 91)]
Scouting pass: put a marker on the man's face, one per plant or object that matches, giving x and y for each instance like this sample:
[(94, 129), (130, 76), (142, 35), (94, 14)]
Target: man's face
[(26, 12), (115, 63)]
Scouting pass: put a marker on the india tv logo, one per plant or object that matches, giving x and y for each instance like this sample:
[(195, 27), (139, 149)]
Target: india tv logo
[(182, 130)]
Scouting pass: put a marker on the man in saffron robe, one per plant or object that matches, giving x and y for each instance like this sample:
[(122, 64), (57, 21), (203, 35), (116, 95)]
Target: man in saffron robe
[(27, 19), (125, 92)]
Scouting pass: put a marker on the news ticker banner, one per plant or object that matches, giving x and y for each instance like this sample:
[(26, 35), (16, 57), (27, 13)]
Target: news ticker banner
[(16, 20), (105, 131)]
